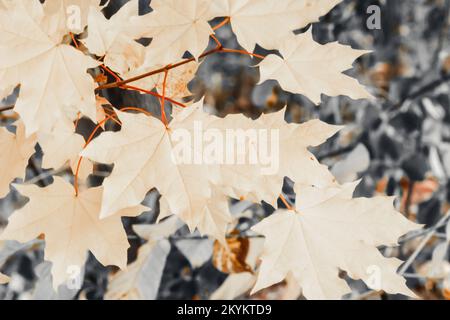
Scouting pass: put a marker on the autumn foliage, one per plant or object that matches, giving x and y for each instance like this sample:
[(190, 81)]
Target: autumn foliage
[(63, 70)]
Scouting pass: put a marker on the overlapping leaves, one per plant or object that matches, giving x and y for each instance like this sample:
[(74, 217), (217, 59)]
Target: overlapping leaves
[(56, 87)]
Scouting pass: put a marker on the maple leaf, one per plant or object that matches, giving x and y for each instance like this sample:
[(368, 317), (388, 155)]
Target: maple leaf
[(176, 26), (16, 151), (142, 156), (214, 219), (71, 226), (73, 13), (55, 89), (62, 146), (290, 147), (53, 78), (312, 69), (330, 233), (265, 22), (142, 278), (114, 38)]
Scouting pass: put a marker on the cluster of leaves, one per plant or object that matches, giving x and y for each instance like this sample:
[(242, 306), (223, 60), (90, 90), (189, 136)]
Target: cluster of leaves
[(57, 66)]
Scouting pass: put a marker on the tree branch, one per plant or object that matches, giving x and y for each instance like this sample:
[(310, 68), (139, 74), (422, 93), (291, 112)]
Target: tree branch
[(422, 90), (218, 49), (118, 84), (6, 108)]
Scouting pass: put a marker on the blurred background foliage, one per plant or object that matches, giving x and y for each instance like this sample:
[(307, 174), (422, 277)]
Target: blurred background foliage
[(399, 145)]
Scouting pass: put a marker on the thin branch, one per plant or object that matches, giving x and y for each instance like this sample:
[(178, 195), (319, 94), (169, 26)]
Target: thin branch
[(421, 91), (98, 127), (223, 23), (153, 94), (43, 176), (195, 238), (229, 236), (341, 151), (218, 49), (163, 99), (118, 84), (218, 43), (409, 198), (6, 108), (287, 203), (422, 244), (75, 42), (243, 52)]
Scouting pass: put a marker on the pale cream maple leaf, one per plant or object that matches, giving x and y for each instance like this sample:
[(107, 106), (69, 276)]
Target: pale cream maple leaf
[(16, 151), (142, 154), (335, 233), (114, 38), (312, 69), (49, 16), (176, 26), (264, 22), (288, 144), (62, 146), (73, 13), (53, 77), (213, 219), (71, 226), (309, 11), (143, 157)]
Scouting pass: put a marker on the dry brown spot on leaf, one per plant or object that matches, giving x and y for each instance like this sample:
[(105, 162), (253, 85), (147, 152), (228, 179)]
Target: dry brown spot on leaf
[(231, 259)]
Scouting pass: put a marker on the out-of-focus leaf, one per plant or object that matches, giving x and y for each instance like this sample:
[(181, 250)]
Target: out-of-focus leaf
[(438, 259), (44, 288), (416, 167), (196, 251), (239, 283), (158, 231), (355, 162), (232, 258), (235, 285), (142, 278), (3, 279)]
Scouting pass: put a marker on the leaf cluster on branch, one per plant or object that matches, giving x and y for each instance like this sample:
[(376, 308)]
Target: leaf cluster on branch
[(61, 67)]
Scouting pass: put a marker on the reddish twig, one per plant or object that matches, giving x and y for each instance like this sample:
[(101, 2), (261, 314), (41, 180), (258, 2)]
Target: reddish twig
[(119, 84), (223, 23), (91, 137), (163, 99), (153, 94), (6, 108)]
